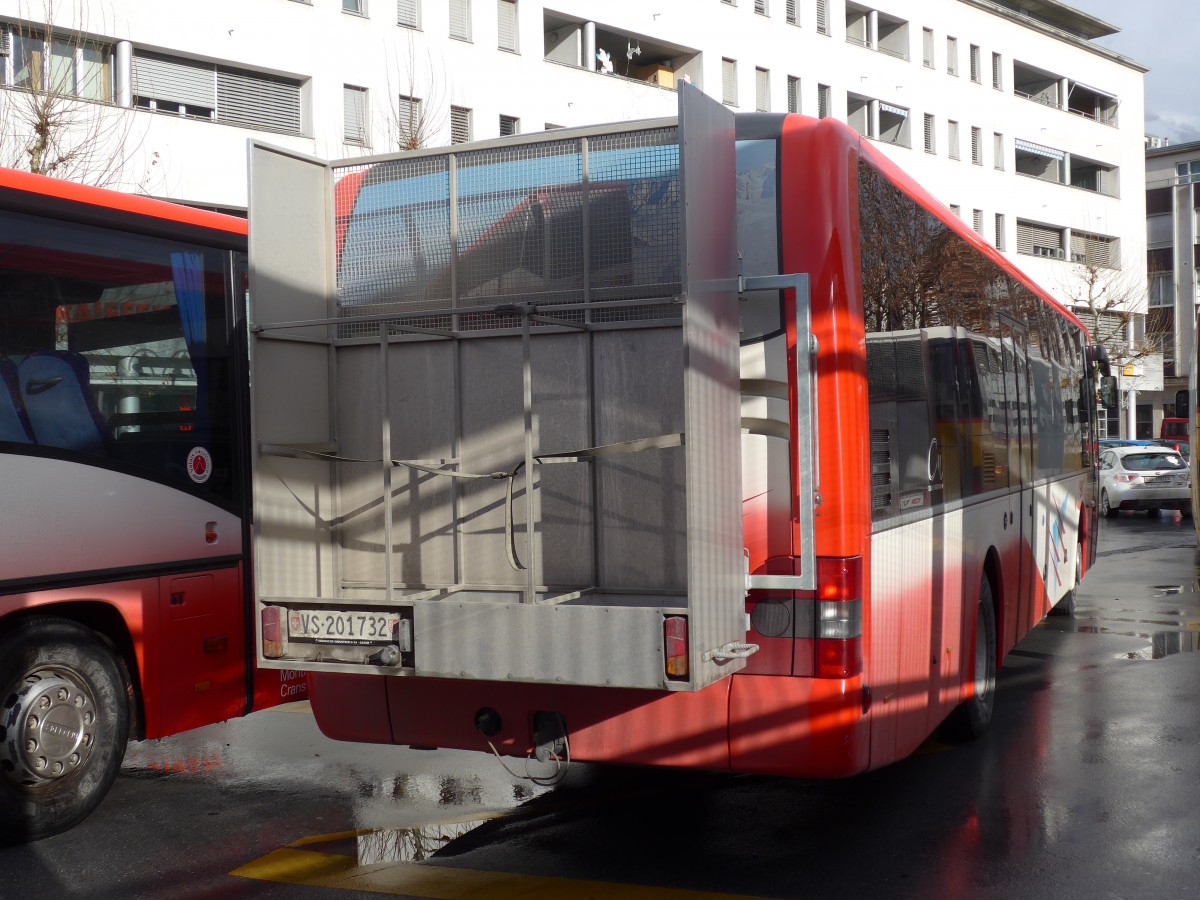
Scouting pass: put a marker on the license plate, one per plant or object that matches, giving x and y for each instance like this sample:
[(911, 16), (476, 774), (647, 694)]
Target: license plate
[(1159, 479), (327, 626)]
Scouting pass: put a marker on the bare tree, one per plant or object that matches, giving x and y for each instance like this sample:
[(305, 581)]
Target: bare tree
[(417, 107), (1110, 302), (58, 117)]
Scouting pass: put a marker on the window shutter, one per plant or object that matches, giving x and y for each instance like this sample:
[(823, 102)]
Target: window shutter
[(460, 19), (1093, 250), (460, 125), (977, 146), (998, 150), (354, 113), (952, 55), (952, 139), (977, 220), (174, 81), (509, 125), (5, 42), (927, 46), (760, 7), (791, 12), (929, 134), (793, 97), (1039, 240), (822, 17), (762, 90), (258, 101), (822, 101), (997, 72), (406, 13), (729, 82), (999, 231), (506, 20)]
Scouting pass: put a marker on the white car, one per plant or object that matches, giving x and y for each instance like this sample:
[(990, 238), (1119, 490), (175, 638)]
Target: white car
[(1149, 478)]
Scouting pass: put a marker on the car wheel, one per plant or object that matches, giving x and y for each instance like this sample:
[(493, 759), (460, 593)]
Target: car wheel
[(972, 717), (1106, 509), (1066, 605), (64, 725)]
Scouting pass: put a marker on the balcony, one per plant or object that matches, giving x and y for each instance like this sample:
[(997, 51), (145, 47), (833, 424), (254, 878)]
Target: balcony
[(1059, 92), (627, 55)]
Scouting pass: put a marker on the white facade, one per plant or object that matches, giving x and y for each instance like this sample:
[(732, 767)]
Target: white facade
[(883, 68)]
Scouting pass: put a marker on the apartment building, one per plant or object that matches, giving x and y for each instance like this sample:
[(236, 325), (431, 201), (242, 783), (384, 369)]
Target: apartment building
[(1005, 109), (1172, 255)]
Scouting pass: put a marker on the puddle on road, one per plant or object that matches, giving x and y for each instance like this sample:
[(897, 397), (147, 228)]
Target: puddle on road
[(409, 844), (1165, 643)]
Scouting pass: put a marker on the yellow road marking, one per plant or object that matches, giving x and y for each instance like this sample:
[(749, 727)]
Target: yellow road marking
[(291, 865)]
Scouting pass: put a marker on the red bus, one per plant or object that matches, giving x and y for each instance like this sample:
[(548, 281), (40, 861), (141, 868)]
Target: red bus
[(711, 442), (124, 585)]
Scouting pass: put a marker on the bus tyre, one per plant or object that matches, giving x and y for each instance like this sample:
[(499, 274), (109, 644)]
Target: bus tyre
[(64, 724), (1066, 606), (972, 717)]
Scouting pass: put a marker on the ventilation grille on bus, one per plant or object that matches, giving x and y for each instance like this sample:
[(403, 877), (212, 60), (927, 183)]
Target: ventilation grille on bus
[(881, 468)]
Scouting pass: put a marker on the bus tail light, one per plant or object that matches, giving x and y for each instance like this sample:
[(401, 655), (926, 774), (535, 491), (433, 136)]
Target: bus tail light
[(675, 647), (839, 617)]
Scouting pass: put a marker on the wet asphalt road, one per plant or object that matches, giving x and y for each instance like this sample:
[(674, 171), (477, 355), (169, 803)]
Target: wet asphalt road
[(1088, 785)]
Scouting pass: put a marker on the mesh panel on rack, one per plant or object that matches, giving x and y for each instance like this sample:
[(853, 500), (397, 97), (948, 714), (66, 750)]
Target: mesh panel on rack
[(518, 213)]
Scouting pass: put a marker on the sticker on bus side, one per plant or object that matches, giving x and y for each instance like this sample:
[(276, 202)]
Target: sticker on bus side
[(199, 465)]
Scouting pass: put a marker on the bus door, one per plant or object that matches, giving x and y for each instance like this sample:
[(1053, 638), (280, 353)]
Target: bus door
[(1014, 340)]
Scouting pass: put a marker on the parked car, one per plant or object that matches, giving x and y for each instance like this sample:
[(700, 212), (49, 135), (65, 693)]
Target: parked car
[(1149, 477), (1183, 448)]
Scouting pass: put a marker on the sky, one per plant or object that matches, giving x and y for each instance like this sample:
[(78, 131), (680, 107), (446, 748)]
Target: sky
[(1163, 35)]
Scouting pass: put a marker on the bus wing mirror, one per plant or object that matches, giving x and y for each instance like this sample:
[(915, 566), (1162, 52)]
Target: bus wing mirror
[(1182, 405), (1108, 392), (1100, 358)]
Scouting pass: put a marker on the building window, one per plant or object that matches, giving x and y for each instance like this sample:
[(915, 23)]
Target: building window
[(408, 13), (822, 17), (354, 115), (358, 7), (460, 20), (952, 139), (217, 93), (976, 76), (952, 56), (460, 125), (74, 67), (1095, 250), (762, 90), (893, 124), (824, 98), (410, 127), (977, 220), (998, 151), (956, 210), (729, 82), (977, 146), (793, 94), (930, 142), (1000, 231), (858, 115), (760, 7), (1039, 240), (509, 125), (997, 72), (790, 13), (506, 22), (1038, 161), (927, 47), (1159, 201), (1162, 290)]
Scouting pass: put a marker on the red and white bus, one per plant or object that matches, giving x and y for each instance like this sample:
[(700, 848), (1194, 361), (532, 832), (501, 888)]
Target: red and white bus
[(124, 591), (692, 442)]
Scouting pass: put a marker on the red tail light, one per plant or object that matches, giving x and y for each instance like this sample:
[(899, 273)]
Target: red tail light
[(839, 617), (675, 647)]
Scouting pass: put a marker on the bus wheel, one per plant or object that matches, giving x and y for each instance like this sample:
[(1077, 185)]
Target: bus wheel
[(64, 724), (972, 717), (1066, 606)]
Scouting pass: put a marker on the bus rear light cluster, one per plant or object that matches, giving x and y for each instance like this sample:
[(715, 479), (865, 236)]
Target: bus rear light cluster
[(839, 617), (675, 647)]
